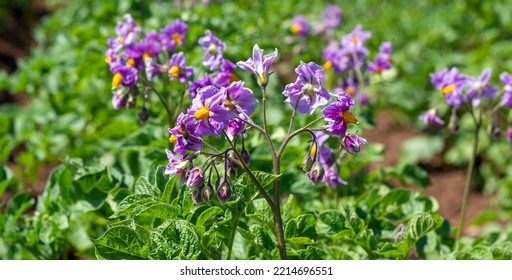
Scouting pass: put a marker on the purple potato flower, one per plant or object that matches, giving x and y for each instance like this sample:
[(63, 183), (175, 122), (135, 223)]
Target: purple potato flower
[(214, 48), (239, 99), (506, 79), (173, 35), (508, 134), (307, 93), (177, 165), (234, 127), (153, 69), (430, 117), (195, 85), (259, 64), (127, 30), (178, 68), (338, 115), (479, 88), (332, 16), (120, 98), (332, 178), (183, 135), (450, 83), (226, 74), (354, 41), (195, 177), (209, 112), (300, 26), (352, 143), (125, 76)]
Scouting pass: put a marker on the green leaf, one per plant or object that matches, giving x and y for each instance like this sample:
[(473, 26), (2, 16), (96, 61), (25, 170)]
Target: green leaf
[(142, 186), (20, 203), (301, 229), (420, 224), (208, 214), (123, 243), (391, 203), (5, 178), (312, 253), (145, 205), (175, 240)]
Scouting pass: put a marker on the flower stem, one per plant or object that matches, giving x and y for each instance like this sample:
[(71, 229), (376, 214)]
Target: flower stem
[(232, 236), (164, 102), (469, 174)]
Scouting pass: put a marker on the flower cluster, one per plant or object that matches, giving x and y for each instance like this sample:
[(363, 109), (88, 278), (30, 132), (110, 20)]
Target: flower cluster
[(136, 59), (305, 95), (467, 92)]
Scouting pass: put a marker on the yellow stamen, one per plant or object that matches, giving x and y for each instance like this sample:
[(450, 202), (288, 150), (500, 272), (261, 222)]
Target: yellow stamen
[(108, 59), (120, 40), (173, 139), (351, 90), (296, 28), (379, 71), (177, 38), (233, 78), (202, 113), (328, 65), (448, 89), (117, 80), (348, 117), (146, 55), (230, 104), (355, 40), (313, 150), (175, 71), (130, 62)]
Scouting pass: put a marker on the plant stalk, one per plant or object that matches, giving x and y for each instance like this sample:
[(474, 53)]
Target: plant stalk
[(469, 175)]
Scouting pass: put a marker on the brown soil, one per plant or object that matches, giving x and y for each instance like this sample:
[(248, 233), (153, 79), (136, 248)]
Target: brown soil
[(447, 184)]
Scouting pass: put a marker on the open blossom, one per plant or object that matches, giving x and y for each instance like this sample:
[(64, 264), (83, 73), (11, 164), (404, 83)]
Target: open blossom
[(382, 60), (354, 41), (226, 74), (332, 16), (148, 47), (195, 85), (178, 68), (338, 115), (127, 31), (177, 166), (450, 83), (173, 35), (259, 64), (239, 99), (307, 93), (153, 69), (125, 76), (208, 111), (234, 127), (184, 136), (506, 79), (332, 178), (431, 117), (336, 58), (214, 48), (479, 88), (300, 26)]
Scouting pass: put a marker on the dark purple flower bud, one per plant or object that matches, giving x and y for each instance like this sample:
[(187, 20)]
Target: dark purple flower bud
[(207, 193), (224, 190), (196, 196), (195, 178), (231, 156), (495, 130), (245, 155), (352, 143), (143, 114), (316, 174)]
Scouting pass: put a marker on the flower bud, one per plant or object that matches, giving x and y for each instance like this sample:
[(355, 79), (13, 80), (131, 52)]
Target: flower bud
[(207, 193), (508, 134), (131, 101), (453, 125), (119, 99), (245, 156), (495, 131), (316, 174), (224, 190), (399, 232), (307, 162), (196, 196), (143, 114), (231, 156), (195, 178), (352, 143)]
